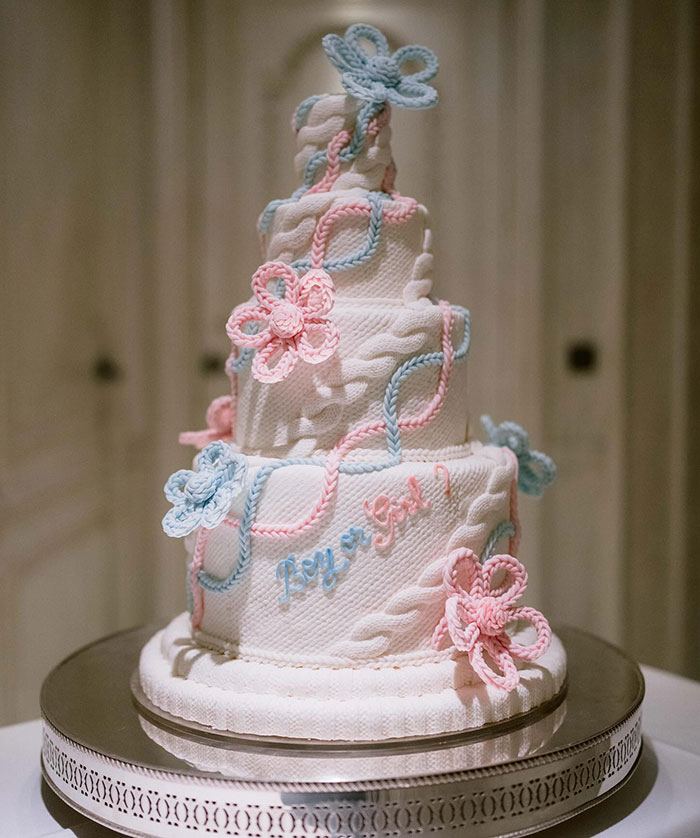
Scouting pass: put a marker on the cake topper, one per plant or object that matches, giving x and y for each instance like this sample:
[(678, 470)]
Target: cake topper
[(378, 78)]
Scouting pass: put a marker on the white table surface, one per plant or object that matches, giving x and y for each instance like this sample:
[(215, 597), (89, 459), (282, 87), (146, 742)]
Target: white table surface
[(661, 800)]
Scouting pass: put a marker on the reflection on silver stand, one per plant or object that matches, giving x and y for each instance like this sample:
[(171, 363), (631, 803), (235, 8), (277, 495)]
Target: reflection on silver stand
[(126, 764)]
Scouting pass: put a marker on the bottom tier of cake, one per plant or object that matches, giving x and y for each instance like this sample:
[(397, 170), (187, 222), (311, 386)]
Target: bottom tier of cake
[(192, 682)]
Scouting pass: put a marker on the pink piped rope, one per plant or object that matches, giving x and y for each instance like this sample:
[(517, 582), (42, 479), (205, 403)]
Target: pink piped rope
[(323, 227), (379, 121), (339, 141), (476, 617), (388, 180), (394, 215), (514, 542), (441, 468), (335, 457), (195, 588)]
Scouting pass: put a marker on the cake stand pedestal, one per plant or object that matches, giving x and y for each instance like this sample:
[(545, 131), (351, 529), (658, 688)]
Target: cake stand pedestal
[(121, 762)]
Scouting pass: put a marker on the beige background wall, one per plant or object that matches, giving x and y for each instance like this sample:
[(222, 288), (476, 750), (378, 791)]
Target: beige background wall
[(141, 139)]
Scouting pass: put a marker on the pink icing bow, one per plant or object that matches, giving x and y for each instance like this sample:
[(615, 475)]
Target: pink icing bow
[(476, 617), (294, 326), (219, 420)]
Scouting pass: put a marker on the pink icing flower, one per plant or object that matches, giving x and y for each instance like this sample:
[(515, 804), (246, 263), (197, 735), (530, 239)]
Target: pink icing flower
[(219, 420), (289, 328), (476, 616)]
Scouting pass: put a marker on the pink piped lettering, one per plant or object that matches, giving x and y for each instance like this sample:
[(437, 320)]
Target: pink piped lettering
[(387, 512)]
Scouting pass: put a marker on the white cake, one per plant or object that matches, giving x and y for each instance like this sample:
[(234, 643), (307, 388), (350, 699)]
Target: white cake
[(341, 528)]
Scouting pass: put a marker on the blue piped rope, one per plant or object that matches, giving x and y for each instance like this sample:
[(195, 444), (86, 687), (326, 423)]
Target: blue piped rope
[(506, 529), (319, 158), (302, 112), (368, 249), (211, 583), (535, 469)]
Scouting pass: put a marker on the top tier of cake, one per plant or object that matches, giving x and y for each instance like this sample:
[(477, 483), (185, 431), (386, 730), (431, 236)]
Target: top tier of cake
[(375, 245), (382, 256)]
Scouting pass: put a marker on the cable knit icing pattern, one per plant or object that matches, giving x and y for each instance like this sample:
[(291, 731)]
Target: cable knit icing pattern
[(536, 469), (382, 633), (378, 78), (203, 498), (295, 326), (476, 617)]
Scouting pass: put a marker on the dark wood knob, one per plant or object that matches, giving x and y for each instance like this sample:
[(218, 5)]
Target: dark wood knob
[(582, 356), (106, 370), (212, 363)]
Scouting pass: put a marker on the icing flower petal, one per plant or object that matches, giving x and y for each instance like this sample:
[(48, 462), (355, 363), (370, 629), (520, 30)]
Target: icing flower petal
[(243, 315), (534, 650), (318, 342), (316, 293), (508, 678), (377, 77), (476, 616), (535, 469), (203, 497), (283, 354), (261, 279), (295, 324), (511, 588), (368, 33), (414, 53), (343, 55)]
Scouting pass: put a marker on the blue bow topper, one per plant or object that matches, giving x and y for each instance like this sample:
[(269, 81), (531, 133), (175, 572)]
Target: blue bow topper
[(203, 498), (535, 469), (378, 78)]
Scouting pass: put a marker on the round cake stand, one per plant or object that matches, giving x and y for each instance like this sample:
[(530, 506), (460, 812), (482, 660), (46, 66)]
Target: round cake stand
[(119, 761)]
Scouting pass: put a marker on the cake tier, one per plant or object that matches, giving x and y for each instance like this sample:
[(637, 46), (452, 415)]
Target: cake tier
[(360, 581), (374, 243), (387, 259), (319, 119), (313, 408), (207, 687)]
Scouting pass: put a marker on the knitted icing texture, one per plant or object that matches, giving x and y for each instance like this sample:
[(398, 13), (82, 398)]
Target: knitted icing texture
[(290, 323)]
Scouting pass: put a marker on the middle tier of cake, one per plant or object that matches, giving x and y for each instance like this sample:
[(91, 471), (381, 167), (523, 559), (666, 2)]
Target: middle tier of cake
[(314, 407)]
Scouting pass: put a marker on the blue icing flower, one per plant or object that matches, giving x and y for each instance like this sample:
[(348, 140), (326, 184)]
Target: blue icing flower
[(203, 498), (378, 78), (536, 470)]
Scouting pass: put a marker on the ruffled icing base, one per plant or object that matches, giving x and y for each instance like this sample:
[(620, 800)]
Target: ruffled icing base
[(356, 704)]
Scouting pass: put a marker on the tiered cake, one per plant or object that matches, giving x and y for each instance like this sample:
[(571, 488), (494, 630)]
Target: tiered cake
[(352, 570)]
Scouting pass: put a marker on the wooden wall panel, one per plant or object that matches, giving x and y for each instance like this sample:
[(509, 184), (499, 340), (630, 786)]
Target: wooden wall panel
[(659, 416), (583, 239)]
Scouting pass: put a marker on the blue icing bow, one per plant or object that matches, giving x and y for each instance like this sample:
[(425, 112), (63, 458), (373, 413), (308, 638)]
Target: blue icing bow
[(536, 470), (378, 78), (203, 498)]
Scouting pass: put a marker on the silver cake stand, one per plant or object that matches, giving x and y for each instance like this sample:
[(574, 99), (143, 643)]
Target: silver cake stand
[(111, 755)]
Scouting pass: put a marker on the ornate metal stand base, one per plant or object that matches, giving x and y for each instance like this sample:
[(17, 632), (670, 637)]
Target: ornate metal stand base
[(146, 774)]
